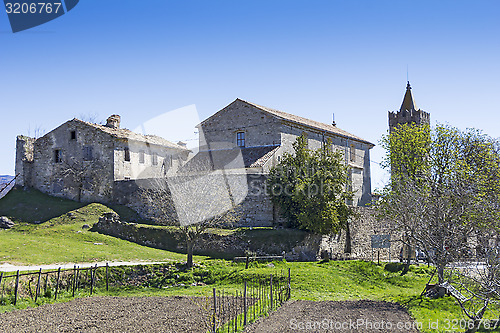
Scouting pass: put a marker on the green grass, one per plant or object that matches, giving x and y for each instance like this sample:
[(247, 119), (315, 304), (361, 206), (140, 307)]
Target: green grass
[(317, 281), (45, 234)]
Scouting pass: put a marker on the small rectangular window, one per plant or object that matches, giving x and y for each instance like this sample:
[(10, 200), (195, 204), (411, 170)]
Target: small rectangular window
[(167, 163), (73, 135), (87, 153), (57, 156), (154, 159), (352, 153), (127, 154), (240, 139), (141, 157)]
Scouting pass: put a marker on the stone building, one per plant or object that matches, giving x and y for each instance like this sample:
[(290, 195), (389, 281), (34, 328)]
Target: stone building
[(262, 135), (84, 161), (408, 112)]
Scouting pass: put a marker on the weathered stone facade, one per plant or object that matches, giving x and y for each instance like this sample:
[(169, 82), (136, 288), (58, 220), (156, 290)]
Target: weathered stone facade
[(261, 136), (82, 161), (263, 127)]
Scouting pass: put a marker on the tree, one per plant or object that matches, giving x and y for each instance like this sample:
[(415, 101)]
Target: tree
[(196, 199), (310, 187), (444, 190)]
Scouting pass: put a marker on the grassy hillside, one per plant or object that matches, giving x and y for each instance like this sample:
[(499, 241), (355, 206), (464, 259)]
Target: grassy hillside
[(318, 281), (49, 230)]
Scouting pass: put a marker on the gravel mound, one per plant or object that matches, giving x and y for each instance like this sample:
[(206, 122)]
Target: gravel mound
[(110, 314), (346, 316)]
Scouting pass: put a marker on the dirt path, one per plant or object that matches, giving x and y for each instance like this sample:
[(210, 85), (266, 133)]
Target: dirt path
[(109, 314), (346, 316), (25, 268)]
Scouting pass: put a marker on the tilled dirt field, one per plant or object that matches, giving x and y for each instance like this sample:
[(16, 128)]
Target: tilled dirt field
[(346, 316), (110, 314), (187, 314)]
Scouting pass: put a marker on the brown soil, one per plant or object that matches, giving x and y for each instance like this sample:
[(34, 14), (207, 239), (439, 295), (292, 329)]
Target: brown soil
[(188, 314), (345, 316), (110, 314)]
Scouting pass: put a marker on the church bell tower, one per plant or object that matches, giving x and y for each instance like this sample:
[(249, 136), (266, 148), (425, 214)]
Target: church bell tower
[(408, 113)]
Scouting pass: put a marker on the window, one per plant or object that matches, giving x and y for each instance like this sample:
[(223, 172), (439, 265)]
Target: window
[(352, 153), (73, 135), (127, 154), (167, 163), (154, 159), (141, 157), (87, 153), (57, 156), (240, 139)]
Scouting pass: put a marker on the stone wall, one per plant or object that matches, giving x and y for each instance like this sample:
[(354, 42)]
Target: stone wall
[(84, 170), (297, 245), (255, 210), (356, 241), (24, 160)]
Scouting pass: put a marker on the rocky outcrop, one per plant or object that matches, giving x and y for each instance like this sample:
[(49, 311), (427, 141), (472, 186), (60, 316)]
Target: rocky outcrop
[(5, 223)]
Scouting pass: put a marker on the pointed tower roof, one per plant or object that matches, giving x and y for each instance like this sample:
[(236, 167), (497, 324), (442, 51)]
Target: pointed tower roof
[(408, 103)]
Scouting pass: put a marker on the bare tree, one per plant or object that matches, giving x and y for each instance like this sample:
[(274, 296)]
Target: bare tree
[(91, 118), (476, 288), (453, 197), (198, 197)]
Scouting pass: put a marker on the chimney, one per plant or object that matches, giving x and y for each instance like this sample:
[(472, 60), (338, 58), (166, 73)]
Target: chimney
[(113, 121), (333, 119)]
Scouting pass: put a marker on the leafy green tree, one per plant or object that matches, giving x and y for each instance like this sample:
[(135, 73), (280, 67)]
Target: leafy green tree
[(408, 151), (310, 187), (444, 189)]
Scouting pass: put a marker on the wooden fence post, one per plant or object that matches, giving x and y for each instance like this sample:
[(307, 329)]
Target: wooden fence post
[(235, 305), (245, 304), (77, 277), (57, 281), (289, 284), (92, 278), (45, 284), (107, 277), (214, 322), (74, 279), (271, 292), (38, 285), (1, 277), (16, 288)]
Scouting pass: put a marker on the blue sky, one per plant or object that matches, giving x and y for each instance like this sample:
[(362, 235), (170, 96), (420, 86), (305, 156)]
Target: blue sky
[(141, 59)]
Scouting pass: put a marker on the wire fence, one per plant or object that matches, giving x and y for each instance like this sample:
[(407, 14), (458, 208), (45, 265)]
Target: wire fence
[(51, 283), (224, 311), (229, 312)]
